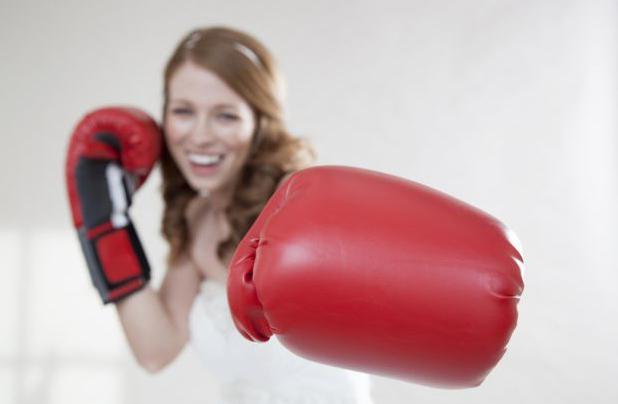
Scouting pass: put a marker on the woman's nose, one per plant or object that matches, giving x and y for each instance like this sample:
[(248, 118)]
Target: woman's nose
[(203, 132)]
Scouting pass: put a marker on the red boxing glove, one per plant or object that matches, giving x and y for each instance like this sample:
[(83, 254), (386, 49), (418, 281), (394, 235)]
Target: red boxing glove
[(111, 152), (367, 271)]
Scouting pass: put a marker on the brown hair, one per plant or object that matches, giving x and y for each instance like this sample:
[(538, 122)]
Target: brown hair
[(274, 153)]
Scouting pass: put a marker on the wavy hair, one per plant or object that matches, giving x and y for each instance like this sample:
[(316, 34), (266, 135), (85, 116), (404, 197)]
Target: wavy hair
[(247, 66)]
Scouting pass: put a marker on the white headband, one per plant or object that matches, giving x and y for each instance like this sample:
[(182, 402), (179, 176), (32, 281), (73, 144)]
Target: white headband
[(193, 39), (245, 50)]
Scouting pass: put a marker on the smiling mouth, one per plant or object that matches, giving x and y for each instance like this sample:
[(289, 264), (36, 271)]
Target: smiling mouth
[(204, 165), (205, 160)]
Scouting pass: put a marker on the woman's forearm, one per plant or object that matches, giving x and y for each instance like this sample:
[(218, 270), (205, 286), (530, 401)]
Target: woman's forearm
[(149, 329)]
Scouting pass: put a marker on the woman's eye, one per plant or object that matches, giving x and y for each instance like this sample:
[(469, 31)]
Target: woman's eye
[(181, 111), (230, 117)]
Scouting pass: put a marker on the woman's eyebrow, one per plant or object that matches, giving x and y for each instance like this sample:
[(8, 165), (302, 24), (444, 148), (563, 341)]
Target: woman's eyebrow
[(178, 99), (225, 105), (219, 105)]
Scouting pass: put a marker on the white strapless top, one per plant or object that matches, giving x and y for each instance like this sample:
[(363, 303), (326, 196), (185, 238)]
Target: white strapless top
[(257, 373)]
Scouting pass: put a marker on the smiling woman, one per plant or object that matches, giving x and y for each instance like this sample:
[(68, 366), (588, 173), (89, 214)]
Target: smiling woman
[(226, 149), (209, 129), (225, 135)]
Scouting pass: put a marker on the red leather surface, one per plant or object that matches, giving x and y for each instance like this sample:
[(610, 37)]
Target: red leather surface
[(372, 272)]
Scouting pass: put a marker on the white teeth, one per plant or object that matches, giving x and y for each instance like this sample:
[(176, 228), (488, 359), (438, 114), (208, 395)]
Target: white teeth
[(205, 159)]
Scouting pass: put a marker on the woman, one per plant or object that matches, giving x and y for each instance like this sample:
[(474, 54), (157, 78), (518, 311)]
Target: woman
[(226, 150)]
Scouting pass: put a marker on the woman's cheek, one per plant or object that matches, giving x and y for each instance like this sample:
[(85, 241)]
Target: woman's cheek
[(240, 135), (178, 129), (227, 135)]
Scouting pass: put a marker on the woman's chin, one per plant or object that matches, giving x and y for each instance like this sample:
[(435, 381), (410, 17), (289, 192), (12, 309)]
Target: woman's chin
[(214, 183), (201, 188), (206, 187)]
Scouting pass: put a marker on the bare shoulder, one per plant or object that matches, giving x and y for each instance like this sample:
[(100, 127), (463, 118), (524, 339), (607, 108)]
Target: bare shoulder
[(181, 281), (183, 268)]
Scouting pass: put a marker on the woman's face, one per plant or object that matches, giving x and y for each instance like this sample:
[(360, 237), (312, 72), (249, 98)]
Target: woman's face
[(208, 128)]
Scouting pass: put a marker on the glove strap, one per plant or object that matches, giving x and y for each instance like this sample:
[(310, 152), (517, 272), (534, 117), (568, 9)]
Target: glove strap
[(116, 260)]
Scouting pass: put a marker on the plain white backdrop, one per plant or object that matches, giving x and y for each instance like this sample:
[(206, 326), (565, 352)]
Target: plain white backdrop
[(509, 105)]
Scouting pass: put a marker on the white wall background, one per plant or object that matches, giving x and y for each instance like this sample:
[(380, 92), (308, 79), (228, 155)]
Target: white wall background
[(509, 105)]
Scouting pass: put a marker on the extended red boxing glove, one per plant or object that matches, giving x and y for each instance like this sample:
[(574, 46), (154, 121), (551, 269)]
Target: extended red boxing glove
[(111, 152), (367, 271)]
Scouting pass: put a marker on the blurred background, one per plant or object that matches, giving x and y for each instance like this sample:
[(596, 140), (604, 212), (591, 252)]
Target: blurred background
[(510, 105)]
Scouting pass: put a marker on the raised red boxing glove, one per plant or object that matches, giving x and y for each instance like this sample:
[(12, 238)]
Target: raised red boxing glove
[(371, 272), (111, 152)]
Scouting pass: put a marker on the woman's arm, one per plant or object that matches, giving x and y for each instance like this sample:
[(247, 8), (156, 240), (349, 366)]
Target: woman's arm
[(156, 322)]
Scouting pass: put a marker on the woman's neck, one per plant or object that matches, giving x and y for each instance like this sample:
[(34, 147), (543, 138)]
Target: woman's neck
[(220, 199)]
